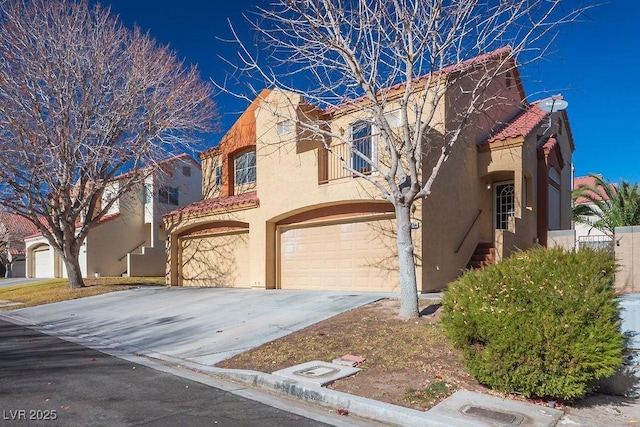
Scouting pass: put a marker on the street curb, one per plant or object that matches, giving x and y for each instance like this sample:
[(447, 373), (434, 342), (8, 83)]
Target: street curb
[(355, 405)]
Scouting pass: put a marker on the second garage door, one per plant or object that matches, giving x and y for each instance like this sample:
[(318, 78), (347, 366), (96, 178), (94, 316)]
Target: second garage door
[(353, 256), (42, 262), (215, 260)]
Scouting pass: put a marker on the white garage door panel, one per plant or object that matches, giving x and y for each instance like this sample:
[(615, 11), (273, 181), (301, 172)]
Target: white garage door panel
[(42, 261), (353, 256), (215, 261)]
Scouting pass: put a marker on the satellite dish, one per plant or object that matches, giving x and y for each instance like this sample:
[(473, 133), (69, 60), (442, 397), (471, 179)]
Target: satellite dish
[(553, 104)]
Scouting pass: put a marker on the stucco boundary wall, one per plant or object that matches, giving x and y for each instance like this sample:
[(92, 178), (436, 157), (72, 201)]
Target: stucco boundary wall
[(566, 239), (627, 250)]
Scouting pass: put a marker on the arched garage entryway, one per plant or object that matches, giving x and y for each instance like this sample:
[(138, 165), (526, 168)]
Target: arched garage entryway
[(348, 247), (43, 265), (214, 255)]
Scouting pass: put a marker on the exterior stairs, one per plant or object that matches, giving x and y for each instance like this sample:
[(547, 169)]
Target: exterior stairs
[(485, 254)]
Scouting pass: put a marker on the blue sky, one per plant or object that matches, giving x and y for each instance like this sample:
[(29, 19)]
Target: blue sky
[(593, 65)]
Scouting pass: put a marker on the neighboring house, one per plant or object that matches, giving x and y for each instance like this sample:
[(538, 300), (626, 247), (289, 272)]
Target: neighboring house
[(586, 235), (130, 239), (279, 212), (13, 229)]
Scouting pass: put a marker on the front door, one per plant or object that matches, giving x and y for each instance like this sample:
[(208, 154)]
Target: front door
[(504, 205)]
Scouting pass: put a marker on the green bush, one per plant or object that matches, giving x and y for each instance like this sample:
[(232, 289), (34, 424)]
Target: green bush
[(541, 323)]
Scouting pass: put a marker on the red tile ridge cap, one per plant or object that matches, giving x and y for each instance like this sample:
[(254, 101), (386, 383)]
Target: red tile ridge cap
[(459, 66), (523, 123)]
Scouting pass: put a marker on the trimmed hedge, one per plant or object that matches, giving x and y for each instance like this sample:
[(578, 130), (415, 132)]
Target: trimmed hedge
[(541, 323)]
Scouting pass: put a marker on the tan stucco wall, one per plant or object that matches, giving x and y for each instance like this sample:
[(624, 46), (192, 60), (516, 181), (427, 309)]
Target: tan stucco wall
[(627, 252), (287, 184), (565, 239), (460, 203), (108, 243)]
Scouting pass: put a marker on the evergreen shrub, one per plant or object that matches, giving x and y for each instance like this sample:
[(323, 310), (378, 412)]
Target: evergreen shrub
[(541, 323)]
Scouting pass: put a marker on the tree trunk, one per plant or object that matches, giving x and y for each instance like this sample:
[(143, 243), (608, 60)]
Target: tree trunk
[(407, 264), (74, 273)]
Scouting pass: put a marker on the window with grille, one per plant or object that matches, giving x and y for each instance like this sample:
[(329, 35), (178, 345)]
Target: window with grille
[(245, 168), (505, 205), (361, 138)]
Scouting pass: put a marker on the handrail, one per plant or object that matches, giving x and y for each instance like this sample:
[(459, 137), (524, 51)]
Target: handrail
[(137, 246), (468, 231)]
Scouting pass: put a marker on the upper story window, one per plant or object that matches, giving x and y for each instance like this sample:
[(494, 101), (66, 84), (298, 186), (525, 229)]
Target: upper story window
[(186, 171), (284, 127), (361, 138), (245, 168), (217, 175), (168, 195)]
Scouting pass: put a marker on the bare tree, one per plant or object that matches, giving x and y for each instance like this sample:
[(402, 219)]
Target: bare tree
[(82, 100), (414, 53)]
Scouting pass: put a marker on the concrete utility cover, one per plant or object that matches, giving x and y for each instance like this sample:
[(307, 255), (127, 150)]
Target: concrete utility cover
[(317, 372), (490, 414), (483, 409)]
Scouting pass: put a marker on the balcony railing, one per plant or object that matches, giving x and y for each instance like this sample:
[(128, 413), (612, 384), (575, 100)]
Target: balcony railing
[(331, 164)]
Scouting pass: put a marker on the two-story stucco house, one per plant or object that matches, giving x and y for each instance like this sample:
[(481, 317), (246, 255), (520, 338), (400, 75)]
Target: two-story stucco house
[(130, 238), (279, 212)]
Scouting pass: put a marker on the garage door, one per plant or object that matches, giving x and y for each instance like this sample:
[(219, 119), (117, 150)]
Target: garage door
[(215, 260), (355, 256), (43, 264)]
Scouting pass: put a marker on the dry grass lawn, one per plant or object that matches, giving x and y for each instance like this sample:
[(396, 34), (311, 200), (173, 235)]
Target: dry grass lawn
[(55, 290)]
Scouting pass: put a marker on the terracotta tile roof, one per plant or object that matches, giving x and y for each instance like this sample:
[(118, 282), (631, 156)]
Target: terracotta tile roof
[(249, 199), (522, 124), (587, 181), (460, 66), (16, 251), (17, 225)]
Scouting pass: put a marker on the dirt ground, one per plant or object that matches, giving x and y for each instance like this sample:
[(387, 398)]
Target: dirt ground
[(408, 362)]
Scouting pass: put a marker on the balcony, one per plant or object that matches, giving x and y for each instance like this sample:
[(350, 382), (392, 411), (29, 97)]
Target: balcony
[(331, 164)]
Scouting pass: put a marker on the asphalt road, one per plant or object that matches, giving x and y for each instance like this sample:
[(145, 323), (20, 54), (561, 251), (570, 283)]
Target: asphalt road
[(48, 381)]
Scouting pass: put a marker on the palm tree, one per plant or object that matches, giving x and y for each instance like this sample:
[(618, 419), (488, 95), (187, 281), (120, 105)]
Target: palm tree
[(605, 205)]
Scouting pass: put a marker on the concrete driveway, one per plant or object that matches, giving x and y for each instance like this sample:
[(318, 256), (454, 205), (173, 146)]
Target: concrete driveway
[(200, 325)]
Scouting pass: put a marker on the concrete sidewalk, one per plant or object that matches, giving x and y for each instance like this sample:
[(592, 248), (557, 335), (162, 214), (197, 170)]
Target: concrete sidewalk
[(196, 328)]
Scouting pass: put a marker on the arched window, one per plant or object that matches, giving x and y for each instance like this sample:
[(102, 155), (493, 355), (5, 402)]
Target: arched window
[(505, 205)]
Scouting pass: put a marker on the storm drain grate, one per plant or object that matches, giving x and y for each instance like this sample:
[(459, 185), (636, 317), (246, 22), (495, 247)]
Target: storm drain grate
[(490, 414)]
